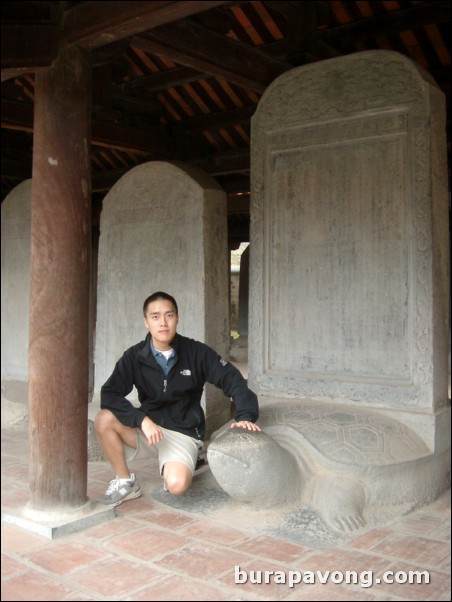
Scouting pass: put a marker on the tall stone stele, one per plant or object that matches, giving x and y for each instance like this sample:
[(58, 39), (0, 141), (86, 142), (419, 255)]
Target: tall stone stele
[(349, 279), (16, 244), (163, 227)]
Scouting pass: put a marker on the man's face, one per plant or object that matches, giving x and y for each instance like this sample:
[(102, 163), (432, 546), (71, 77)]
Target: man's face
[(161, 321)]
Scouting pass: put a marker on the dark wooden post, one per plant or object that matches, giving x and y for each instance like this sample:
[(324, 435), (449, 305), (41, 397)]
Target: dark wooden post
[(59, 284)]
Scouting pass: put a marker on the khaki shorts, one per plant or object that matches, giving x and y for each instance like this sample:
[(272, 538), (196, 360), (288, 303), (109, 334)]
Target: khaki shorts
[(175, 447)]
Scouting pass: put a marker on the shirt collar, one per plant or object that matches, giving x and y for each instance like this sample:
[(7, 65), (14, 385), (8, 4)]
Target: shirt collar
[(156, 352)]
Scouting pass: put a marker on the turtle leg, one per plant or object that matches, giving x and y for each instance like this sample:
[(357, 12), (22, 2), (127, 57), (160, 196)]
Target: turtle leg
[(340, 502)]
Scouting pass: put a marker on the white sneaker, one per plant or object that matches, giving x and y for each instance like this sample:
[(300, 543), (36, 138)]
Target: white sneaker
[(121, 490)]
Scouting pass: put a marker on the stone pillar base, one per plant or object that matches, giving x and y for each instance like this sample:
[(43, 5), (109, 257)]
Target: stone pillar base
[(53, 524)]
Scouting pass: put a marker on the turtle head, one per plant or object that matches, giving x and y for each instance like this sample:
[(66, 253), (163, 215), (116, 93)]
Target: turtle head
[(251, 466)]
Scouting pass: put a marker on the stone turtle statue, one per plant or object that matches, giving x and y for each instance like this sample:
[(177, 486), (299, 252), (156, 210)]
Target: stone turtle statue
[(353, 467)]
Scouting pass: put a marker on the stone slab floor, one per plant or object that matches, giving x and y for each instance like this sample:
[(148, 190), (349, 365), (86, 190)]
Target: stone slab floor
[(191, 548)]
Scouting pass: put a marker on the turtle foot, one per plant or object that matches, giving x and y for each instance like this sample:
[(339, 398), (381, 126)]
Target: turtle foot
[(346, 523), (340, 502)]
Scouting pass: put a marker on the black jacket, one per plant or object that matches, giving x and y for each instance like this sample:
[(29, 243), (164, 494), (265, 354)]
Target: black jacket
[(174, 402)]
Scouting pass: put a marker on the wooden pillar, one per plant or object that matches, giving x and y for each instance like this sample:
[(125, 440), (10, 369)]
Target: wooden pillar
[(59, 284)]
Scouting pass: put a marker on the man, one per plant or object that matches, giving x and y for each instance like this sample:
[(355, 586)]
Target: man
[(169, 372)]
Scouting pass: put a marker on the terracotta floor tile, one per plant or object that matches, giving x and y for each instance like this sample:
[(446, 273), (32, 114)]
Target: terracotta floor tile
[(439, 587), (215, 533), (14, 498), (420, 524), (116, 577), (15, 539), (260, 579), (173, 587), (34, 586), (267, 547), (419, 549), (135, 506), (445, 566), (343, 560), (202, 561), (170, 520), (434, 554), (109, 529), (65, 556), (333, 591), (367, 540), (147, 543), (11, 566), (77, 597), (151, 551), (442, 532)]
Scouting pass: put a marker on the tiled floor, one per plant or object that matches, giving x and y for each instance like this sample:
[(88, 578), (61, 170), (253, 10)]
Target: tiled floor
[(155, 551)]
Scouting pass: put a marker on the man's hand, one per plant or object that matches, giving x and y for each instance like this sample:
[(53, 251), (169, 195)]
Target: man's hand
[(245, 424), (152, 431)]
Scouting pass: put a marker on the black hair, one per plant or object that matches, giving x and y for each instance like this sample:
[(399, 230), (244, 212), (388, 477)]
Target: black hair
[(159, 295)]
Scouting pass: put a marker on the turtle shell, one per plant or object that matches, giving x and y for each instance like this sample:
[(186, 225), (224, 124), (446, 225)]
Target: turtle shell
[(345, 434)]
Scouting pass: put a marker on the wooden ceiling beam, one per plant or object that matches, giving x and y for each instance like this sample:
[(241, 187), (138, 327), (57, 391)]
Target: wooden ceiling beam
[(94, 24), (231, 161), (303, 44), (406, 19), (162, 80), (29, 46), (395, 21), (434, 12), (189, 43), (153, 139), (137, 106), (19, 116), (215, 121)]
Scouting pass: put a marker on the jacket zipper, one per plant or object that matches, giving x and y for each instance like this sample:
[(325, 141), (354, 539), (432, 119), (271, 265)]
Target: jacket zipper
[(165, 380)]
